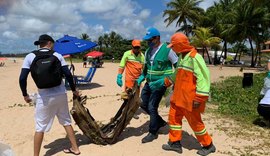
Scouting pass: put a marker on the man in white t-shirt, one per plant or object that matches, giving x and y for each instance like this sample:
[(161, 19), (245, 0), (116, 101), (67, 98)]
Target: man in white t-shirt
[(50, 102), (264, 104)]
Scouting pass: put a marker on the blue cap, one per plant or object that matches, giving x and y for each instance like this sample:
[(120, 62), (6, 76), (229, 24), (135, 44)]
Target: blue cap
[(151, 32)]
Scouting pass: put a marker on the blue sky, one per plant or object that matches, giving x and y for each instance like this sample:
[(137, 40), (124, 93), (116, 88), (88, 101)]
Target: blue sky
[(22, 21)]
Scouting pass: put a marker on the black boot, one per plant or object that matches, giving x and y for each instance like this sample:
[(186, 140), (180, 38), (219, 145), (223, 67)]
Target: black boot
[(149, 137), (173, 146), (207, 150)]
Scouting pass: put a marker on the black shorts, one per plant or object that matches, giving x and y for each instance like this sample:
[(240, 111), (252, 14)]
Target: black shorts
[(264, 111)]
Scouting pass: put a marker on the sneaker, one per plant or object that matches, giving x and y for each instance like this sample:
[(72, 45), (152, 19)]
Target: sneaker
[(173, 146), (207, 150), (149, 138)]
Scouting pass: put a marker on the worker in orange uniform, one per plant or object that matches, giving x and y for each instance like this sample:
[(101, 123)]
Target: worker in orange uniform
[(191, 90), (132, 63)]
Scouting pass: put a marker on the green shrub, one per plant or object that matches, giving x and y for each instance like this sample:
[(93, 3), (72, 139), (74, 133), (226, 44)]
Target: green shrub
[(229, 58), (235, 101)]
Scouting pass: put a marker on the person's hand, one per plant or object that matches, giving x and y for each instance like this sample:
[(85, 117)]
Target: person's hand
[(140, 80), (119, 80), (27, 99), (76, 93), (196, 104), (156, 84)]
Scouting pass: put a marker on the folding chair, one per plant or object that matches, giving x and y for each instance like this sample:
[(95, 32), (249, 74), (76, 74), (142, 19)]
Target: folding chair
[(87, 79)]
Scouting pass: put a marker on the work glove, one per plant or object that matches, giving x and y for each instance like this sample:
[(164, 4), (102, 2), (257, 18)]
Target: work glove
[(140, 80), (268, 74), (119, 80), (156, 84)]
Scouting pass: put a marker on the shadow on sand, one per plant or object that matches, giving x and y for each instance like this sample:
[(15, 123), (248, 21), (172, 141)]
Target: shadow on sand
[(188, 141), (87, 86), (59, 145)]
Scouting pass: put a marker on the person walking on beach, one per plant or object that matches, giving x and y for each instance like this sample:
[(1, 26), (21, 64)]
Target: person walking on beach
[(47, 68), (132, 63), (191, 90), (159, 64), (84, 61)]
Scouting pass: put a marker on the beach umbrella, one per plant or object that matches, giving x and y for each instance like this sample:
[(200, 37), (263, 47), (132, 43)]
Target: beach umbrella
[(66, 56), (94, 54), (72, 45), (3, 58)]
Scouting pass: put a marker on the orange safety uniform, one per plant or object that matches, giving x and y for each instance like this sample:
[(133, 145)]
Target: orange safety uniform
[(132, 65), (191, 83)]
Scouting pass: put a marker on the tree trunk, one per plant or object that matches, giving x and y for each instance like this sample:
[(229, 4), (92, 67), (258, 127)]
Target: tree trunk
[(203, 52), (252, 53), (210, 62), (237, 51), (258, 54), (225, 49), (221, 54)]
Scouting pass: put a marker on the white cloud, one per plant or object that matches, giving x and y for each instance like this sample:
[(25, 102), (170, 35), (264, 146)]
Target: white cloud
[(26, 24), (2, 19), (27, 19), (10, 35), (48, 11), (160, 25), (99, 6), (205, 4), (144, 14), (129, 28), (4, 26)]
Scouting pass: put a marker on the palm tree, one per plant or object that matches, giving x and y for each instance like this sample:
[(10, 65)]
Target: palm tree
[(204, 38), (106, 40), (183, 11), (100, 42), (85, 36), (246, 23), (220, 14)]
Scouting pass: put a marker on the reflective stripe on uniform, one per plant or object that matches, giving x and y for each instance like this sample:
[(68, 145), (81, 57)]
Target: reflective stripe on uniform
[(152, 72), (202, 93), (202, 132), (175, 127), (186, 68)]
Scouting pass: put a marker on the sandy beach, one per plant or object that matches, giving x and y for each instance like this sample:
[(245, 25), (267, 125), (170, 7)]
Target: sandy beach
[(17, 119)]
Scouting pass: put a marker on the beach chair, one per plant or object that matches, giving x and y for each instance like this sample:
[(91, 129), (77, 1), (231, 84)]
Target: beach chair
[(87, 79)]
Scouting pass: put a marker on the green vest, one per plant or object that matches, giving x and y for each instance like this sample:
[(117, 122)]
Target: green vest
[(161, 66)]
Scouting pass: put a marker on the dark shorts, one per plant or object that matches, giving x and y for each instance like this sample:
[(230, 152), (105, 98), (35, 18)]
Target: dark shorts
[(264, 111)]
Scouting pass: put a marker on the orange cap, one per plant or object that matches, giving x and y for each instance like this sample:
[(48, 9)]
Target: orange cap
[(136, 43), (180, 42)]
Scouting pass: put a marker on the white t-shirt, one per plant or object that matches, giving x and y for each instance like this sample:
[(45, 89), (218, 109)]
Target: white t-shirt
[(50, 91), (172, 56), (266, 99)]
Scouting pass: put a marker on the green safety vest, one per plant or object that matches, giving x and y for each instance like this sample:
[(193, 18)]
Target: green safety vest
[(161, 66)]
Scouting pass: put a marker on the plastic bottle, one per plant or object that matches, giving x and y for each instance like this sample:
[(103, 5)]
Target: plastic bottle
[(33, 97)]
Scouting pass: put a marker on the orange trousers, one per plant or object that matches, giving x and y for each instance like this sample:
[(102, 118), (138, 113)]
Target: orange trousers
[(194, 119), (129, 84)]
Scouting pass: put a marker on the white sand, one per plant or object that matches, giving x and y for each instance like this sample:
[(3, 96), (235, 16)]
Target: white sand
[(17, 122)]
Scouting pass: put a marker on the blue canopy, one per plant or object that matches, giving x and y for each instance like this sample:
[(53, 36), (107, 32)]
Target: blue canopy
[(72, 45)]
